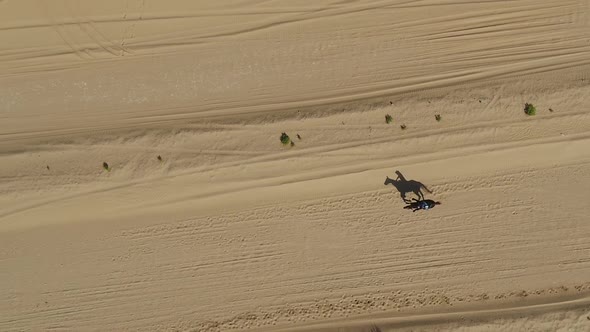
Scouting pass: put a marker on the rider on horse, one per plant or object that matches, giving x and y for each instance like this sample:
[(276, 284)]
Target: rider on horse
[(421, 205)]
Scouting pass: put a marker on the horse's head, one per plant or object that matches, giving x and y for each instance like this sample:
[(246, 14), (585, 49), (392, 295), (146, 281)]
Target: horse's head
[(388, 180)]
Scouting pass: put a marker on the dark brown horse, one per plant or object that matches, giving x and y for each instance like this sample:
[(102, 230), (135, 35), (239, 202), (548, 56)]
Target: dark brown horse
[(426, 204)]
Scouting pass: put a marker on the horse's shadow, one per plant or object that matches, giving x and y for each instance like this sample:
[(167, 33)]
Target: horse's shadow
[(407, 186)]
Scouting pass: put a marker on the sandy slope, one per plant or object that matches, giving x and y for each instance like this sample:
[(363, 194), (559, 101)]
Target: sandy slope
[(231, 230)]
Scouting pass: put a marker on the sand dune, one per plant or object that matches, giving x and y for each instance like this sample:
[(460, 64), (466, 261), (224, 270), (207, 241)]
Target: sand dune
[(233, 230)]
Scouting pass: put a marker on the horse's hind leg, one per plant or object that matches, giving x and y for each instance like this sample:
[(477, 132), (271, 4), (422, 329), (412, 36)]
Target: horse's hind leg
[(419, 194)]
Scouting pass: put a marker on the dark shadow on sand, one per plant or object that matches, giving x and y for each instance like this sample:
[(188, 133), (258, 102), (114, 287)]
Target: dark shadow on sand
[(405, 187)]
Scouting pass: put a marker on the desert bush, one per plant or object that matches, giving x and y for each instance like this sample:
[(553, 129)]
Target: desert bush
[(285, 139), (388, 119), (529, 109)]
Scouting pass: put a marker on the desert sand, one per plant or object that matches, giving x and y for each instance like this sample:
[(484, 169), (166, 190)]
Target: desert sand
[(204, 221)]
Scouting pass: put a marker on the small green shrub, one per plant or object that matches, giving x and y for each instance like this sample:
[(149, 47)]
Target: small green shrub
[(106, 166), (403, 127), (159, 158), (529, 109), (388, 119), (285, 139), (437, 117)]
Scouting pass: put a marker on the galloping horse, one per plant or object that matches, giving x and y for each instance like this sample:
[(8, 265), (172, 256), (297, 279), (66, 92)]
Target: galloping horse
[(426, 204)]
